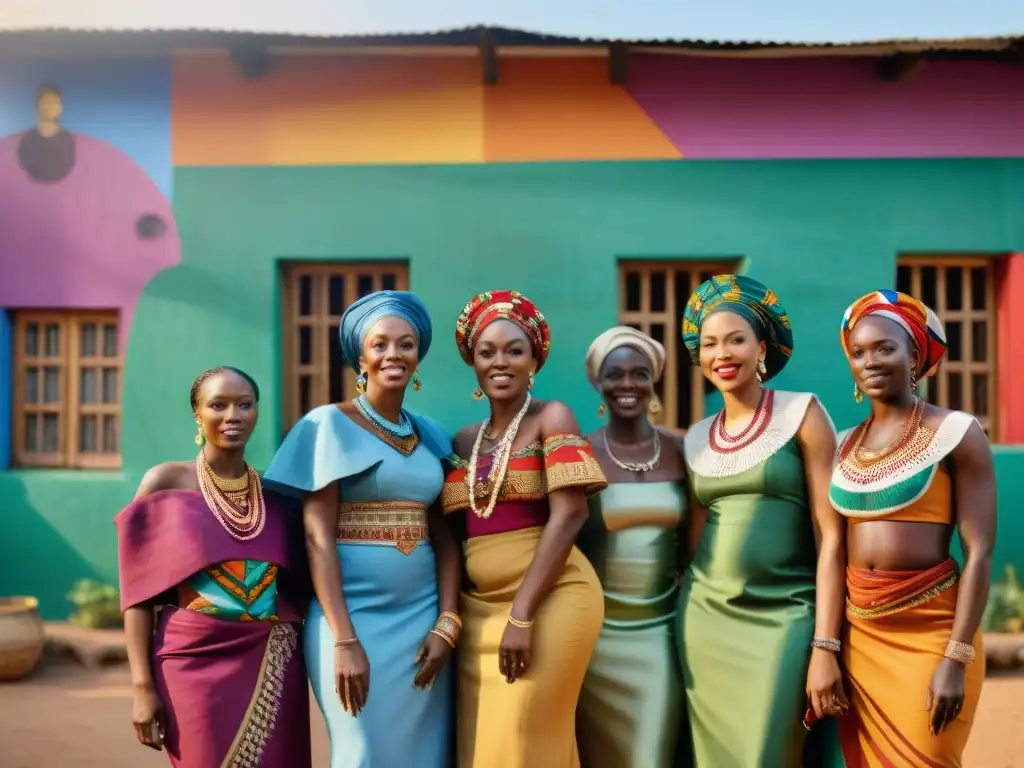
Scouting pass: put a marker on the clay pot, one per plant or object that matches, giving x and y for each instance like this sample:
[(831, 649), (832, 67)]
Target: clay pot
[(21, 637)]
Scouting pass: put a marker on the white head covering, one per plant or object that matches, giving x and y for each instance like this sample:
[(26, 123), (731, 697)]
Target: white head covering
[(623, 336)]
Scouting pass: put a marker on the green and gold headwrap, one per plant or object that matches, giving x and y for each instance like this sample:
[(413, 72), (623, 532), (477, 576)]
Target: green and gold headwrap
[(751, 301)]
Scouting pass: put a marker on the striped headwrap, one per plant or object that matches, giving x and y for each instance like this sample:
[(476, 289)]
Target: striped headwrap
[(919, 321), (750, 300)]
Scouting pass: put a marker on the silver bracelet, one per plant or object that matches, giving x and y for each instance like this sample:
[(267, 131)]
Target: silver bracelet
[(827, 644)]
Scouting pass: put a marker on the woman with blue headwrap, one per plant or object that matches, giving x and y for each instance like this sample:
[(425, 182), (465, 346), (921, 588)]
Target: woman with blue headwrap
[(386, 576)]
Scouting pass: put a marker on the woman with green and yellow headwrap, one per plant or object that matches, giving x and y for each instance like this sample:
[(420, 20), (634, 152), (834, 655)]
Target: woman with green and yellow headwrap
[(761, 605)]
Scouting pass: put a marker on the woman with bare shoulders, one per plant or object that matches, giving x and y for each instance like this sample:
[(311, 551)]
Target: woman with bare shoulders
[(221, 681), (629, 714), (905, 479), (386, 574), (761, 605), (518, 490)]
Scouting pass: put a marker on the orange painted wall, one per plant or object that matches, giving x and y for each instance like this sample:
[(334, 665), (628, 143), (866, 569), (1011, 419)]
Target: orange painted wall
[(334, 110)]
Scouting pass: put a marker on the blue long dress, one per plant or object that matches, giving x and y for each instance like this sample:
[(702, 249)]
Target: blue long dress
[(389, 578)]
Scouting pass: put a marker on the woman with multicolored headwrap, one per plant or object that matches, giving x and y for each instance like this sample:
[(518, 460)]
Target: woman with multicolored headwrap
[(630, 714), (904, 479), (385, 568), (760, 609), (518, 490)]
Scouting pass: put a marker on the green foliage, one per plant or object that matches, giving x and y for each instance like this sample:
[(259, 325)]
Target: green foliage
[(1004, 611), (98, 605)]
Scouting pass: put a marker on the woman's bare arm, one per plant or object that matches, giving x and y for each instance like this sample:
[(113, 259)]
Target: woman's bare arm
[(568, 513), (320, 515), (449, 561)]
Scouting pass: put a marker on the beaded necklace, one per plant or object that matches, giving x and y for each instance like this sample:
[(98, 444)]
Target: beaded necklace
[(721, 441), (864, 466), (635, 466), (236, 503), (401, 436), (499, 466)]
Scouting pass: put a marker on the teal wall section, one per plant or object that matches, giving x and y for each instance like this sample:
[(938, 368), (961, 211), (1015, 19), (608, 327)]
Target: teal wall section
[(818, 232)]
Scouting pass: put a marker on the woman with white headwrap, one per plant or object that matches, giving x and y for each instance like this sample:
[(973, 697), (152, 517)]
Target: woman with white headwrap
[(630, 711), (386, 575)]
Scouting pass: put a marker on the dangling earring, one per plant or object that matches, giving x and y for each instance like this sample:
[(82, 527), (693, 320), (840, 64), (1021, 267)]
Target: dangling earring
[(913, 381), (654, 406), (601, 410), (478, 394), (361, 383), (857, 394), (532, 381), (762, 371), (200, 437), (417, 385)]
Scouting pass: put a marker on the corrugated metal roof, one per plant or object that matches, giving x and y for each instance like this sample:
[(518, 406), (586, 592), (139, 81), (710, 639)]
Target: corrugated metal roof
[(744, 22)]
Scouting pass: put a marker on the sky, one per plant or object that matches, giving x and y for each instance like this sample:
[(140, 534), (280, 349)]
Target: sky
[(735, 20)]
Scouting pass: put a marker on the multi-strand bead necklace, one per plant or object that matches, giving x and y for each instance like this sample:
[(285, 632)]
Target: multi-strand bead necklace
[(236, 503), (866, 467), (499, 465)]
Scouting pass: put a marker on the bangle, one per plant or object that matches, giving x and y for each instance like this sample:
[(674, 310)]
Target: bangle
[(444, 636), (827, 644), (518, 623), (346, 643), (962, 652)]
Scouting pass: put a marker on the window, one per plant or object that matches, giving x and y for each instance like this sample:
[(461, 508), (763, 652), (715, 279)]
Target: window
[(652, 297), (67, 390), (314, 298), (961, 290)]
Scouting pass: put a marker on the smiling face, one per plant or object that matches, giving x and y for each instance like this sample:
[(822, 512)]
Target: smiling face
[(503, 360), (227, 410), (729, 351), (390, 354), (882, 357), (627, 382)]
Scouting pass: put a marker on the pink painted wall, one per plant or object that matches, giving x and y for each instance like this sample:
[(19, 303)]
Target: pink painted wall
[(830, 108), (1010, 343)]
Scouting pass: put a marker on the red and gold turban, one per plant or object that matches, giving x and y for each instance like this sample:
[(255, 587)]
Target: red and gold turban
[(484, 308), (913, 316)]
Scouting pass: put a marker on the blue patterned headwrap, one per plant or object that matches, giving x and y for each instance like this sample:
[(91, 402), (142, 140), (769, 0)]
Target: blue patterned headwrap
[(360, 317)]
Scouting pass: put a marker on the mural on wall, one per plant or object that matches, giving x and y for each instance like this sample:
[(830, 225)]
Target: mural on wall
[(393, 110)]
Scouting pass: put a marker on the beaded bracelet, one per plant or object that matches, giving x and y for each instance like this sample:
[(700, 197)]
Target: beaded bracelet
[(827, 644), (962, 652), (449, 627)]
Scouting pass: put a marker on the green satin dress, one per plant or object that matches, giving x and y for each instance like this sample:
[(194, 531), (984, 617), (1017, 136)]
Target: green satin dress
[(746, 607), (629, 710)]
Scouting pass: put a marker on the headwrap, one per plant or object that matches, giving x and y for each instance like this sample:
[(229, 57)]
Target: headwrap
[(484, 308), (750, 300), (362, 314), (923, 325), (623, 336)]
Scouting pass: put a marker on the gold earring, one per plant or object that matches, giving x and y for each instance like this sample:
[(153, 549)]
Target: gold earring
[(478, 394), (601, 410), (654, 406), (417, 385), (762, 371), (913, 381), (857, 394), (532, 380), (200, 438), (361, 383)]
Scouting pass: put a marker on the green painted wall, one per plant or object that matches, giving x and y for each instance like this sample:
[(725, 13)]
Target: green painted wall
[(818, 232)]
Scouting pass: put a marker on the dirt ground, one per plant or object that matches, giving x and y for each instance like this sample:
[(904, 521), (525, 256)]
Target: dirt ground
[(66, 716)]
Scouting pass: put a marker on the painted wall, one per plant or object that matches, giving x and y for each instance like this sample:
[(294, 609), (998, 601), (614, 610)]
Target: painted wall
[(364, 159)]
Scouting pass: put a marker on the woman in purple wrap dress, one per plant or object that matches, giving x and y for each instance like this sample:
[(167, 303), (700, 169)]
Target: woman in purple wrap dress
[(218, 563)]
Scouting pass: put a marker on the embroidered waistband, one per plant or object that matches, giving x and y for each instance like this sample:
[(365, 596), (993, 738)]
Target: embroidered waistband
[(398, 524), (884, 593)]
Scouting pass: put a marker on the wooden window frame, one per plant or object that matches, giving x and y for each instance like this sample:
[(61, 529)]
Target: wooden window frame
[(677, 358), (322, 323), (966, 316), (68, 408)]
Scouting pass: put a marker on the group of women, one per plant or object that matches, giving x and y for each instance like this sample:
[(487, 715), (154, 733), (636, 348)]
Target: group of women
[(760, 594)]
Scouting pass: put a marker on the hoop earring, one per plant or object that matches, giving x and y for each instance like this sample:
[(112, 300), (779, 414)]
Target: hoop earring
[(417, 385), (601, 410), (361, 383), (531, 380), (200, 437), (478, 394), (654, 406), (857, 396)]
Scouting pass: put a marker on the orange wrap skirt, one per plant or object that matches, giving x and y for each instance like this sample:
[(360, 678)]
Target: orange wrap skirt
[(898, 626)]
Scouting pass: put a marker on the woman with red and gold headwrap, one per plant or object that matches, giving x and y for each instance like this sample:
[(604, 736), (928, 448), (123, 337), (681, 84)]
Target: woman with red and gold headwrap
[(532, 606), (904, 479)]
